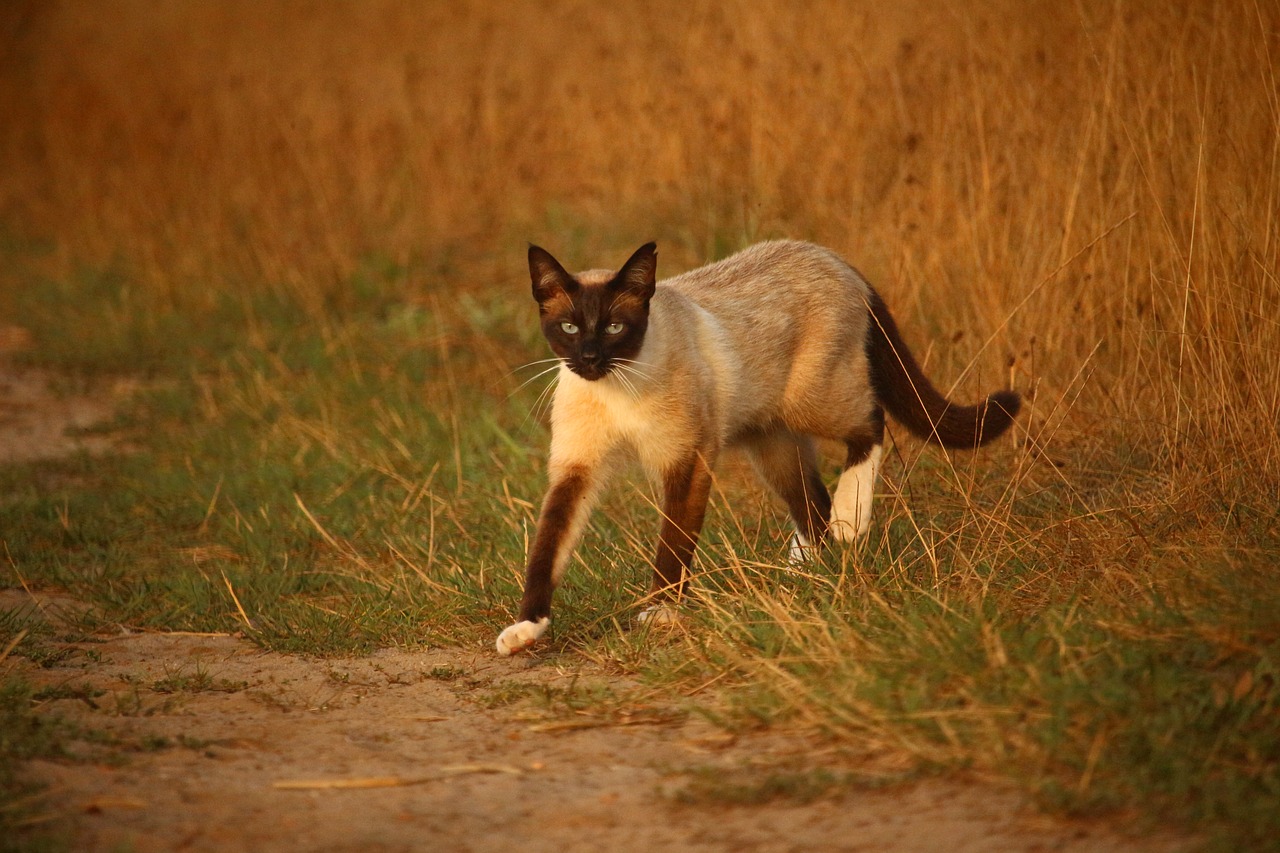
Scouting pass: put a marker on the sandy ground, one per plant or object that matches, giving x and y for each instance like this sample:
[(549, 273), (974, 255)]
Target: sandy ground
[(38, 418), (423, 751), (209, 743)]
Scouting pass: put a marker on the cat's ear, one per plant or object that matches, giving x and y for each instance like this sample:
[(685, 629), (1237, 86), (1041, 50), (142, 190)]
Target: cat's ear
[(639, 274), (548, 277)]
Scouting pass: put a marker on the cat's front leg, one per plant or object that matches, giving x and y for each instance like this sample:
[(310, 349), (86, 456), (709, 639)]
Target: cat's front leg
[(560, 523), (522, 635), (686, 486)]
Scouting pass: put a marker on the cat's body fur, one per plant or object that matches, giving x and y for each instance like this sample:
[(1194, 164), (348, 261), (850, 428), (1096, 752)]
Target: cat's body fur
[(766, 350)]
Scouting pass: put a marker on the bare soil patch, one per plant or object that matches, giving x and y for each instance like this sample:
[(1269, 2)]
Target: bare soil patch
[(209, 743), (39, 419), (206, 742)]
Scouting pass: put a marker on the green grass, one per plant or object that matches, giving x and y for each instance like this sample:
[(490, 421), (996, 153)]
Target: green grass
[(367, 476), (25, 735), (720, 787), (198, 680), (1168, 702)]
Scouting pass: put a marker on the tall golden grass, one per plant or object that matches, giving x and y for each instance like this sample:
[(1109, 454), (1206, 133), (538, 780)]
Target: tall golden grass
[(1089, 190), (1080, 199)]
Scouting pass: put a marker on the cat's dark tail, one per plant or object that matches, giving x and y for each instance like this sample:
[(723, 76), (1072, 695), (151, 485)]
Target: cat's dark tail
[(906, 393)]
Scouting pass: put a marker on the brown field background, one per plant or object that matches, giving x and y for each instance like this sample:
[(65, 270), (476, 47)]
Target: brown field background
[(1080, 198)]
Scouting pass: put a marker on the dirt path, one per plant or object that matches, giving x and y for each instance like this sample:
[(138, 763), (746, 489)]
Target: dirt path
[(216, 745), (208, 743)]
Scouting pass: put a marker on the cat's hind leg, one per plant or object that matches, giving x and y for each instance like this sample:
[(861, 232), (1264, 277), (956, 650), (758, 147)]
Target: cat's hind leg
[(851, 508), (788, 463)]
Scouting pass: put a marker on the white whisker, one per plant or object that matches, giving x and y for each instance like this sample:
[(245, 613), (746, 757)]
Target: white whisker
[(629, 372), (626, 383), (636, 367), (535, 377), (544, 400), (539, 362)]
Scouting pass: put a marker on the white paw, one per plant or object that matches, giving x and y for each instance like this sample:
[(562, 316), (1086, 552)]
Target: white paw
[(659, 614), (799, 549), (851, 506), (521, 635)]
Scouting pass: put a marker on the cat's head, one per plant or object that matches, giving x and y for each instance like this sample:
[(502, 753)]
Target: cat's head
[(595, 319)]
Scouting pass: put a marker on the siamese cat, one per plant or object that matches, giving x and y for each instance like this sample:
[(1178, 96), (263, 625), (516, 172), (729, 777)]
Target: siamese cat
[(766, 351)]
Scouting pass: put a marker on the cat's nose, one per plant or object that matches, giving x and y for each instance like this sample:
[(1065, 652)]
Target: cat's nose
[(592, 356)]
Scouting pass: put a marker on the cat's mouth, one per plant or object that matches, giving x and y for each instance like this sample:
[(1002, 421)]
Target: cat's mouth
[(590, 371)]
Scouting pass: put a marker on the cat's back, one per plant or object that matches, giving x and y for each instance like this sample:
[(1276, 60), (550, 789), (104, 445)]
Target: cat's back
[(773, 275), (783, 324)]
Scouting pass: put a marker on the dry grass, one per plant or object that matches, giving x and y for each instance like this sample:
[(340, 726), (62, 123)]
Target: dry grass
[(1079, 199), (1091, 189)]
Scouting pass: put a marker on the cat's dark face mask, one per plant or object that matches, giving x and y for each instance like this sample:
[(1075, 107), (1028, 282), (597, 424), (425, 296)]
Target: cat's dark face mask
[(598, 324)]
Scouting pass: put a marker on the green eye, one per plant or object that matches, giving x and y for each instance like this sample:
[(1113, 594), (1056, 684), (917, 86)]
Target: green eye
[(569, 328), (614, 329)]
